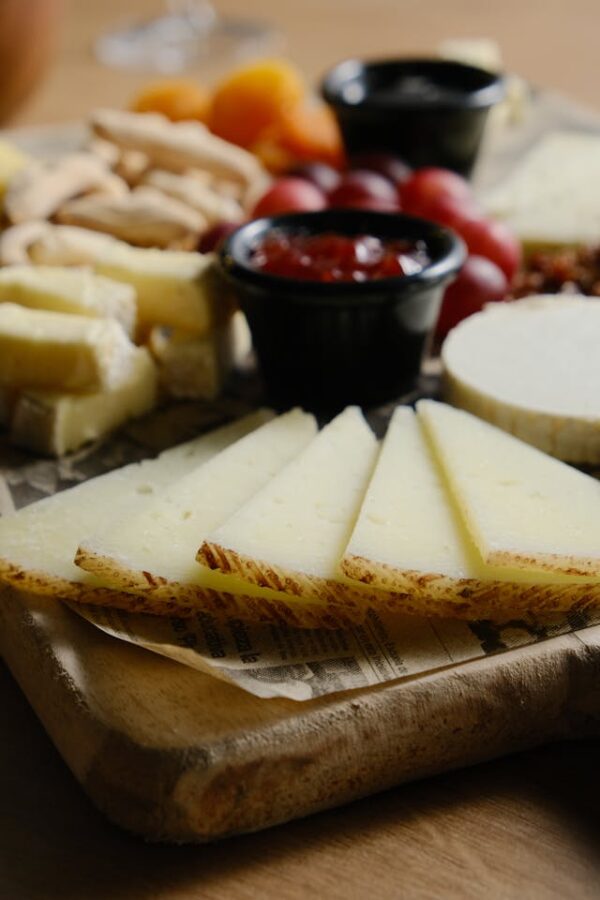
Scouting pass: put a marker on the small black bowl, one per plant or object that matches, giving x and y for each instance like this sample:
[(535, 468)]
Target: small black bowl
[(429, 112), (326, 345)]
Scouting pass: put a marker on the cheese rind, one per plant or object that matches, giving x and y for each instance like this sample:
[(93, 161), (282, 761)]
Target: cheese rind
[(532, 368), (57, 351), (56, 423), (292, 534), (38, 543), (523, 508), (175, 288), (410, 540), (69, 290)]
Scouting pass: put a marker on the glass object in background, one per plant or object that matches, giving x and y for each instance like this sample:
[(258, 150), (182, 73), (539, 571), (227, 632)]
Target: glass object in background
[(187, 34)]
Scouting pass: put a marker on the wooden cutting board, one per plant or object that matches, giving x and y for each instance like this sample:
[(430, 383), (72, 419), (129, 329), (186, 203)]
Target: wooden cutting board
[(172, 754)]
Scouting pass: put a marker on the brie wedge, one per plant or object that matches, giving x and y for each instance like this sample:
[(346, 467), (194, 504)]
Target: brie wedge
[(523, 508), (59, 351), (532, 368), (56, 423), (38, 543)]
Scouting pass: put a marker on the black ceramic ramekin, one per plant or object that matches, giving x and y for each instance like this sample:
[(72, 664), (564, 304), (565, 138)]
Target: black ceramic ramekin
[(326, 345), (429, 112)]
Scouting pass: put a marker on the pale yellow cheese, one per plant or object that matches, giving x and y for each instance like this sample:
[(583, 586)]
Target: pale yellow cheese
[(173, 288), (56, 423), (158, 545), (38, 543), (532, 367), (522, 508), (12, 160), (69, 290), (410, 539), (292, 534), (64, 352)]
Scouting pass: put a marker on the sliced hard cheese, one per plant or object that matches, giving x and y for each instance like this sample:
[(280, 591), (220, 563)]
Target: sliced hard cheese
[(159, 545), (56, 423), (66, 290), (522, 508), (552, 197), (38, 543), (57, 351), (410, 539), (173, 288), (532, 368), (292, 534)]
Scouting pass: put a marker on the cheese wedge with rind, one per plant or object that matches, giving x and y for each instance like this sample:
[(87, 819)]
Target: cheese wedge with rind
[(523, 509), (410, 540), (69, 290), (56, 423), (150, 556), (63, 352), (38, 543), (532, 368), (292, 534)]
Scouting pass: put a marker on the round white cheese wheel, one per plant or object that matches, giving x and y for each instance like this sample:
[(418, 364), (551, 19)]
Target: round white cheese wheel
[(532, 367)]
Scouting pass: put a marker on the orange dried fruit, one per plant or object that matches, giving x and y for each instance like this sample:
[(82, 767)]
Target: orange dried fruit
[(310, 133), (178, 99), (254, 98)]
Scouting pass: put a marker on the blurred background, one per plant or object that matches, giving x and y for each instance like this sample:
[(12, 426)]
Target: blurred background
[(51, 72)]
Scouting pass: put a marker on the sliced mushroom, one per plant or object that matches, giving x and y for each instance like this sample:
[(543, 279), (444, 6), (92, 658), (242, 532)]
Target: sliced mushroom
[(192, 192), (145, 217), (16, 242), (67, 245), (132, 165)]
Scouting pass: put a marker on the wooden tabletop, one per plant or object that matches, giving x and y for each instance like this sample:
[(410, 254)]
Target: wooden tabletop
[(526, 826)]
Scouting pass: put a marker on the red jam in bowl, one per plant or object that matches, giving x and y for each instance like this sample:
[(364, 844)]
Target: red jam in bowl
[(331, 257)]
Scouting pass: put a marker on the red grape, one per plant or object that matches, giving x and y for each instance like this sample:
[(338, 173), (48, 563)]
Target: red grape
[(449, 211), (290, 194), (214, 237), (325, 177), (374, 204), (480, 281), (359, 185), (427, 186), (391, 167), (485, 237)]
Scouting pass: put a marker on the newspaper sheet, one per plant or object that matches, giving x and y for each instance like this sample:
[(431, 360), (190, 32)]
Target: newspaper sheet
[(300, 664)]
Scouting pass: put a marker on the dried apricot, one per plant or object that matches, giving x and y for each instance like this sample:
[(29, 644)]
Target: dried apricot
[(176, 98), (254, 98), (310, 132)]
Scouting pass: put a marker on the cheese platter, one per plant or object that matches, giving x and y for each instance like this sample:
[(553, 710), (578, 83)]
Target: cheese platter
[(243, 643)]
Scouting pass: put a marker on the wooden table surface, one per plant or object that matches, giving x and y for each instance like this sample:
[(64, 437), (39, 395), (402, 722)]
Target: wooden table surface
[(522, 827)]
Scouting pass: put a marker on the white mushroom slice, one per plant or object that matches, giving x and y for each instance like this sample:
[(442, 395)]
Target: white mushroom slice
[(176, 146), (67, 245), (108, 152), (200, 197), (38, 190), (16, 242), (131, 166), (112, 185), (145, 217)]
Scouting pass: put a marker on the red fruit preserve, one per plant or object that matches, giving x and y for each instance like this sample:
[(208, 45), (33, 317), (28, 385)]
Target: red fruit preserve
[(337, 257)]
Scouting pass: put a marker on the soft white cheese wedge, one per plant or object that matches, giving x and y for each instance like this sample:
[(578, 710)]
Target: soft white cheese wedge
[(410, 539), (56, 423), (552, 197), (173, 288), (59, 351), (292, 534), (38, 543), (523, 508), (69, 290), (532, 368)]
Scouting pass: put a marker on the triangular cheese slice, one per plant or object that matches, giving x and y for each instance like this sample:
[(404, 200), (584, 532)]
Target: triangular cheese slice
[(523, 509), (38, 543), (292, 534), (153, 553), (410, 537)]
